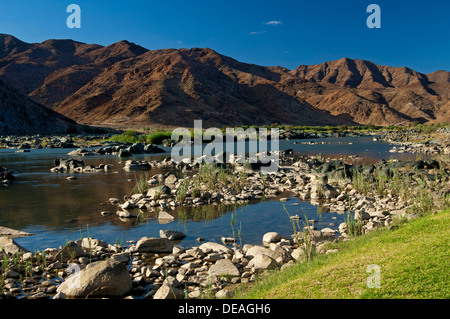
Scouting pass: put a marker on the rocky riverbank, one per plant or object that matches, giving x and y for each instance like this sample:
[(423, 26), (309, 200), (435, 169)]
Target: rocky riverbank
[(416, 141), (373, 196), (105, 146)]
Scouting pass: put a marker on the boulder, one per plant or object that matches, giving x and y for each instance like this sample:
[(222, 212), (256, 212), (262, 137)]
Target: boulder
[(100, 279), (91, 243), (167, 291), (224, 267), (329, 191), (158, 191), (214, 247), (125, 214), (5, 231), (362, 215), (272, 237), (164, 217), (150, 148), (69, 164), (171, 180), (124, 153), (224, 293), (136, 148), (10, 246), (153, 245), (298, 254), (263, 262), (343, 228), (171, 234), (260, 250), (136, 165)]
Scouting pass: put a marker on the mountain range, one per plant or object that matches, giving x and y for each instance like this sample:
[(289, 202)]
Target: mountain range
[(126, 85)]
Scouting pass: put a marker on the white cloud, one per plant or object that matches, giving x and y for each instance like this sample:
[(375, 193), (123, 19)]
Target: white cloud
[(257, 32), (274, 23)]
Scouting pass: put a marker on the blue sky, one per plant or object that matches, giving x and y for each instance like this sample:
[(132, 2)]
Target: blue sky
[(413, 33)]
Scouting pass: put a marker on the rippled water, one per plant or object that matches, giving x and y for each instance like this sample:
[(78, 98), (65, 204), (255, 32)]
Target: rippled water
[(55, 209)]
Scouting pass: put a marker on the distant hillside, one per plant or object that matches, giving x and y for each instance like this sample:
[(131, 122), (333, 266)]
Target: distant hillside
[(124, 84), (383, 95)]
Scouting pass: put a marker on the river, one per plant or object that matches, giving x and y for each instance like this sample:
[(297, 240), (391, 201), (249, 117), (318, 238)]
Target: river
[(56, 210)]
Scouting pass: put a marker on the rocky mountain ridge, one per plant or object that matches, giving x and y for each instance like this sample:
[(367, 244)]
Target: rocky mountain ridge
[(124, 84)]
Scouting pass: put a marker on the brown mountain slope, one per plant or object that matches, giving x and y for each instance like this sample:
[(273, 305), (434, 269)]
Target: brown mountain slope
[(54, 69), (374, 94), (21, 115), (10, 45), (179, 86), (359, 74), (124, 84), (440, 76)]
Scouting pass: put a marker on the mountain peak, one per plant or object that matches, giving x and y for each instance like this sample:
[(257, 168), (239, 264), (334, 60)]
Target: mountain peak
[(10, 44)]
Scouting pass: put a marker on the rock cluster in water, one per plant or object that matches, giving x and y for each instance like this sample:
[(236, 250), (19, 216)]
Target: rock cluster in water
[(6, 176), (119, 149)]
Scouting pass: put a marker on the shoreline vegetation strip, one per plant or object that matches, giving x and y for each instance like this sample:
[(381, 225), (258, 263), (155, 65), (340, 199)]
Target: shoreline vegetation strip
[(413, 261)]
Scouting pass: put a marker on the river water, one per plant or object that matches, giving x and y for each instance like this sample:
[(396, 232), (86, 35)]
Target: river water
[(56, 210)]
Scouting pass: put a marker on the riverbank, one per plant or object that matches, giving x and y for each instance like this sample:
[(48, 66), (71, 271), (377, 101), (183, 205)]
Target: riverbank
[(411, 260)]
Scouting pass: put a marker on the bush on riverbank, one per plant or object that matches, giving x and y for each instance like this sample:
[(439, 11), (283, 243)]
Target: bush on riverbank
[(133, 137)]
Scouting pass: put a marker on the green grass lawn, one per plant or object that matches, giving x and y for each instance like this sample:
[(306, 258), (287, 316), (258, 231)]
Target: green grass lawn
[(413, 262)]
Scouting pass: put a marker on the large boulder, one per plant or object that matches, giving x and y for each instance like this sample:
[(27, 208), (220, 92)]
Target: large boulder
[(214, 247), (136, 165), (136, 148), (158, 190), (9, 246), (167, 291), (224, 267), (150, 148), (171, 180), (362, 215), (153, 245), (91, 243), (171, 234), (272, 237), (259, 250), (323, 190), (68, 165), (108, 278), (263, 262)]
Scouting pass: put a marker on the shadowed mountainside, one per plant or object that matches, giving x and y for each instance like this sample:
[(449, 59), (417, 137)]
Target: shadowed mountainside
[(19, 114)]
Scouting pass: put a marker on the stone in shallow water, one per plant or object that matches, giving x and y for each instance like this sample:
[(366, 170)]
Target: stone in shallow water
[(171, 234)]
